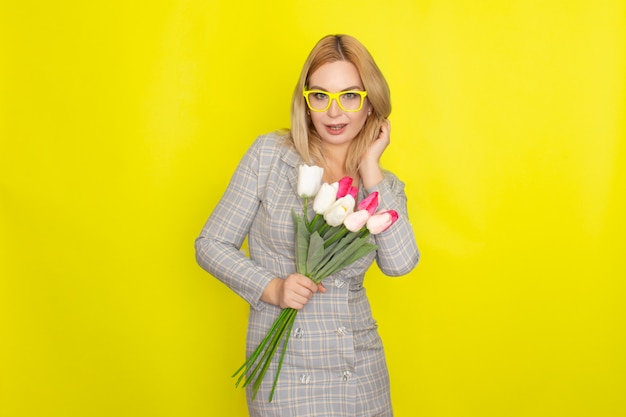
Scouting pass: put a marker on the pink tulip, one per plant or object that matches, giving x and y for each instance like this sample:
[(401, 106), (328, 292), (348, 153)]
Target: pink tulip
[(369, 203), (355, 221), (381, 221), (344, 187), (353, 191)]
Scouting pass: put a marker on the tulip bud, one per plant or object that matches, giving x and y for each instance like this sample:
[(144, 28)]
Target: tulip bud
[(369, 203), (309, 180), (381, 221), (355, 221), (326, 196), (344, 186), (336, 214)]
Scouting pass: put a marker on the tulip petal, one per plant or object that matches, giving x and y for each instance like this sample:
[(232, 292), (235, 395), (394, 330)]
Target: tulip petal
[(335, 215), (356, 221), (381, 221), (344, 186), (326, 197), (369, 203)]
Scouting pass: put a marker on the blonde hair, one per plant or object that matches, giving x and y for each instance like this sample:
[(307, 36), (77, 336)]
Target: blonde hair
[(304, 137)]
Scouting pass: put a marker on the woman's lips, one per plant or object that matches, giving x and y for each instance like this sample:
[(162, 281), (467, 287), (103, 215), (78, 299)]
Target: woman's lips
[(335, 129)]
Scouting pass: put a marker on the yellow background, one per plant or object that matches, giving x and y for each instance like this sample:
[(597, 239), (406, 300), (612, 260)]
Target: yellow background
[(121, 123)]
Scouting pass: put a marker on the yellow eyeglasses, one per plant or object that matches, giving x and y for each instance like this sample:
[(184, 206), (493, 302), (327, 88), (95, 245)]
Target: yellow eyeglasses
[(349, 101)]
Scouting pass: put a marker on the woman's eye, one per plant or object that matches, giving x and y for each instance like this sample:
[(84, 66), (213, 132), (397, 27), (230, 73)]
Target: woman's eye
[(350, 96), (320, 96)]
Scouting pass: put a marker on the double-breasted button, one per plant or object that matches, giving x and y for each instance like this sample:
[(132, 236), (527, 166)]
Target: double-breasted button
[(305, 379), (339, 283), (298, 333), (341, 331)]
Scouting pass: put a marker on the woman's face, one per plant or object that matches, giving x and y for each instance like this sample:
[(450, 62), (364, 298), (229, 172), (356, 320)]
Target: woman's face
[(336, 126)]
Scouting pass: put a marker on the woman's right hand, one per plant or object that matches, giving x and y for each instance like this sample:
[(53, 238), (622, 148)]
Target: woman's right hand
[(292, 292)]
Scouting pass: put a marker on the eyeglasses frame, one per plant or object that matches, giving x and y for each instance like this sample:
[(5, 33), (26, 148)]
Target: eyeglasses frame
[(334, 96)]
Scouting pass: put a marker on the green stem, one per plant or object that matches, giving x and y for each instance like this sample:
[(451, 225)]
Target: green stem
[(259, 348), (331, 251), (336, 237), (272, 350), (314, 222), (282, 355), (336, 261), (269, 352), (305, 214)]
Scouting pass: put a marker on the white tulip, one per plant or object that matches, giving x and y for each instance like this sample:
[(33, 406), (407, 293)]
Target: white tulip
[(335, 215), (326, 197), (309, 180)]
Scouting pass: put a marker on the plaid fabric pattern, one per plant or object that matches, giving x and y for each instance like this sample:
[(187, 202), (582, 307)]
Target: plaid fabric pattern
[(335, 363)]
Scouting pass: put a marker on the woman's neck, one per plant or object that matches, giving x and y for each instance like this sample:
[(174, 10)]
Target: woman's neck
[(334, 165)]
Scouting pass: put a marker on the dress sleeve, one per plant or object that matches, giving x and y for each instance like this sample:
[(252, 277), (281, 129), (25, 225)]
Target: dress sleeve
[(397, 252), (218, 246)]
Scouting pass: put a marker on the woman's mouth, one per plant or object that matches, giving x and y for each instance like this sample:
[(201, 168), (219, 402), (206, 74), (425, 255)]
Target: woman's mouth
[(335, 129)]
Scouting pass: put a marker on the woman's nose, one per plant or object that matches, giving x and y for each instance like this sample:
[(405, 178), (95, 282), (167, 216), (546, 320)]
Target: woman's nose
[(334, 109)]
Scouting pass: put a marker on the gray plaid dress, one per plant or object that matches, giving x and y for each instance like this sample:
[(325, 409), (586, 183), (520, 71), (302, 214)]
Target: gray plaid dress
[(335, 364)]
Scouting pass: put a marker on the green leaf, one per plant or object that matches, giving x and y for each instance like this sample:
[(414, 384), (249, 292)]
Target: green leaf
[(341, 258), (302, 243), (361, 252), (316, 251), (329, 231), (332, 249), (344, 241)]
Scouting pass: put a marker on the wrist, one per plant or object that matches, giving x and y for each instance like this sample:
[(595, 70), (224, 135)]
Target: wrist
[(271, 293), (370, 173)]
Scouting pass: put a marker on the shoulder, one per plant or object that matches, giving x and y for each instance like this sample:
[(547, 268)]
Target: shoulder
[(277, 141), (275, 145)]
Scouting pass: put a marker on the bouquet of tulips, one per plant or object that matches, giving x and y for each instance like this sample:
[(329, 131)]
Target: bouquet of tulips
[(336, 237)]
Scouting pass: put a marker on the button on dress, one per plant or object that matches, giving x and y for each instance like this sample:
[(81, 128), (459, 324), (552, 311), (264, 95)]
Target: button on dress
[(335, 362)]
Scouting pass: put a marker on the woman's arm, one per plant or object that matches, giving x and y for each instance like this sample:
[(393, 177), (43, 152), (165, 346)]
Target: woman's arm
[(218, 246), (397, 252)]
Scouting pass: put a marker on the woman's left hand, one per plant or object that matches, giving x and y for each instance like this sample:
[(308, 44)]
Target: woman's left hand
[(380, 144), (370, 170)]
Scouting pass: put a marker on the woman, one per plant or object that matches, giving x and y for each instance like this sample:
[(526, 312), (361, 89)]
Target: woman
[(335, 364)]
